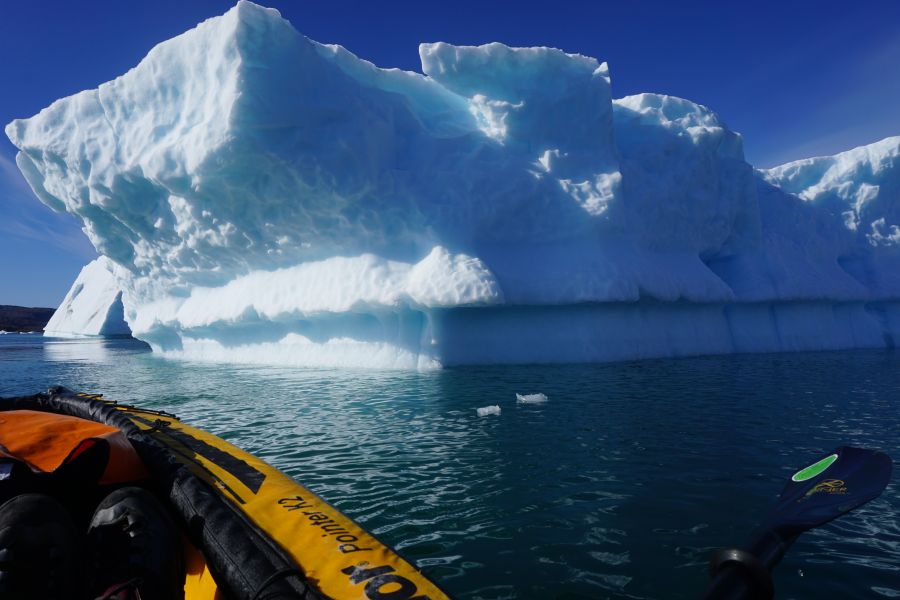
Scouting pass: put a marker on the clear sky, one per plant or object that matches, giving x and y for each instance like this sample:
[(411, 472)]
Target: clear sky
[(797, 78)]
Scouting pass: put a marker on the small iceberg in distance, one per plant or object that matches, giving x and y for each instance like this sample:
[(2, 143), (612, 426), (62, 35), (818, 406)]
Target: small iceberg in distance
[(93, 306), (531, 398), (485, 411)]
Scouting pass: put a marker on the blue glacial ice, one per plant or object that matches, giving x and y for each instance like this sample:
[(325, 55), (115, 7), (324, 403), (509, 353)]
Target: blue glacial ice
[(262, 197)]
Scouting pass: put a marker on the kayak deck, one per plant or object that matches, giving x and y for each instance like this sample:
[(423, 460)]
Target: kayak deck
[(253, 527)]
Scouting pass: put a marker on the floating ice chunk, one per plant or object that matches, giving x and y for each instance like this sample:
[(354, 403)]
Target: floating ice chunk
[(488, 410), (530, 398)]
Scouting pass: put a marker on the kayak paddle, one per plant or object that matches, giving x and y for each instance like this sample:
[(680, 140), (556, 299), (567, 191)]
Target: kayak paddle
[(828, 488)]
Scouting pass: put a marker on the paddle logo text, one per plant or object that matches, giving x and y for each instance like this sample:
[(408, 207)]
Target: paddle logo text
[(828, 486)]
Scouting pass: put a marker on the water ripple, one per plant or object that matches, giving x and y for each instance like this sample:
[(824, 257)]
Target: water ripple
[(619, 487)]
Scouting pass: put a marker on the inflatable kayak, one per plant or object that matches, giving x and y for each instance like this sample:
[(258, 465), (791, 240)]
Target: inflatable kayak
[(250, 531)]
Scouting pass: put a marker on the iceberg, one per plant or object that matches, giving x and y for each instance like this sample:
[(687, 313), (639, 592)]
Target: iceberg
[(93, 305), (261, 197)]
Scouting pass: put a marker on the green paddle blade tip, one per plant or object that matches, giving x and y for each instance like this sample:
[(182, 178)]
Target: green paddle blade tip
[(817, 468)]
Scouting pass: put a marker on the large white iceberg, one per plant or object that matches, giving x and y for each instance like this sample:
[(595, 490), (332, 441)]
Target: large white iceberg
[(266, 198)]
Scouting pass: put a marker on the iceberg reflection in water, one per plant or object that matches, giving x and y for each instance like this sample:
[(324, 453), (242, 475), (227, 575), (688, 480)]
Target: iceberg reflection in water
[(96, 350)]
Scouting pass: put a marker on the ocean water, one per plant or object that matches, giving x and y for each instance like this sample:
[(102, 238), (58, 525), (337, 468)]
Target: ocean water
[(620, 486)]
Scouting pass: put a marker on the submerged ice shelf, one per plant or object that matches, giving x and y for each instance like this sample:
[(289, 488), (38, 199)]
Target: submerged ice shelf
[(261, 197)]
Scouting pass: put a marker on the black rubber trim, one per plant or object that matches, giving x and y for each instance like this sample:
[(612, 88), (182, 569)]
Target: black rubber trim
[(250, 477), (242, 559), (186, 457)]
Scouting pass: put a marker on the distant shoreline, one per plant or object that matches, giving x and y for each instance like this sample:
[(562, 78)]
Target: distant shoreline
[(23, 319)]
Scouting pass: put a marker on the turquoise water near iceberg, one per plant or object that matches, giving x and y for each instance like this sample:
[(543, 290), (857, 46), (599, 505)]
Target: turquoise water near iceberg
[(619, 487)]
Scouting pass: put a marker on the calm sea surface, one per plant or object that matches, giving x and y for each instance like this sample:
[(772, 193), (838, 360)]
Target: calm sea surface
[(619, 487)]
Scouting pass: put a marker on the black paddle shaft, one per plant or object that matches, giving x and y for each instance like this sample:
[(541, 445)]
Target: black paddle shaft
[(835, 484)]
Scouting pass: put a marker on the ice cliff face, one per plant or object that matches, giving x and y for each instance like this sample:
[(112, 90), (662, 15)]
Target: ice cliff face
[(268, 198), (862, 185)]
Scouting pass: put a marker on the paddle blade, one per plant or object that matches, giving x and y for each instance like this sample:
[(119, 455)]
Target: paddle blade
[(831, 486)]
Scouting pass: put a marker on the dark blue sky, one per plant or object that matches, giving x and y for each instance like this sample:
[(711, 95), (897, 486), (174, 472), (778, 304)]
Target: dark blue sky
[(796, 78)]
